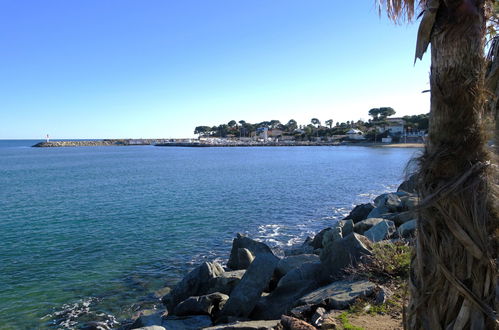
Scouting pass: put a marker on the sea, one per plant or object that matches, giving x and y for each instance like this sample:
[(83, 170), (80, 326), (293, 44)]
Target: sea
[(91, 233)]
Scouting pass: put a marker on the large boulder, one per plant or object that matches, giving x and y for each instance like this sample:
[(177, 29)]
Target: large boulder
[(408, 229), (201, 305), (343, 252), (365, 225), (409, 185), (378, 212), (196, 283), (245, 258), (339, 230), (338, 295), (381, 231), (317, 241), (187, 322), (291, 287), (410, 202), (402, 217), (247, 292), (390, 200), (247, 325), (287, 264), (243, 242), (346, 227), (360, 212), (226, 282)]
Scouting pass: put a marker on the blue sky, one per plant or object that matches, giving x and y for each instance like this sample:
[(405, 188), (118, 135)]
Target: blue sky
[(158, 68)]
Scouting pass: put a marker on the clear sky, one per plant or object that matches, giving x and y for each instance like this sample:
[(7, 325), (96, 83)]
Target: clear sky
[(158, 68)]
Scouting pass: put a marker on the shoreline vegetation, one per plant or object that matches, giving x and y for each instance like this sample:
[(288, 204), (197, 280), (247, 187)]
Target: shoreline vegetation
[(214, 143), (350, 275)]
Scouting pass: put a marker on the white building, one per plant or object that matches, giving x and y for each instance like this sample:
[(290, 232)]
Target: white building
[(395, 126), (355, 134)]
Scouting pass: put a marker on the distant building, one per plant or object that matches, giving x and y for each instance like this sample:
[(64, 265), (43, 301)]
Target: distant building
[(262, 133), (395, 126), (275, 132), (355, 134)]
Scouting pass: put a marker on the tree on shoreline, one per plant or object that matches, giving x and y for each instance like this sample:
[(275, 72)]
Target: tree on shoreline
[(454, 273)]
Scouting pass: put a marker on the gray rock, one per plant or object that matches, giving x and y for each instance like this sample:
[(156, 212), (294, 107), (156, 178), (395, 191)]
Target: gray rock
[(338, 295), (334, 234), (306, 272), (302, 312), (305, 248), (382, 294), (381, 231), (147, 319), (196, 283), (247, 292), (410, 202), (243, 242), (408, 185), (343, 252), (226, 282), (317, 241), (245, 258), (201, 305), (288, 263), (360, 212), (153, 327), (391, 201), (408, 229), (402, 217), (247, 325), (187, 322), (346, 227), (378, 212), (365, 225)]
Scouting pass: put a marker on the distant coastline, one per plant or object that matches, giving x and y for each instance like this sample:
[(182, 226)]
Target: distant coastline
[(221, 143)]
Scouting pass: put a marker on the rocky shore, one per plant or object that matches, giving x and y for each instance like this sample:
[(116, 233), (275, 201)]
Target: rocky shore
[(310, 287)]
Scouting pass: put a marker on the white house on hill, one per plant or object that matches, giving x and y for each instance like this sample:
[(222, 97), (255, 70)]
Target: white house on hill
[(395, 126), (355, 134)]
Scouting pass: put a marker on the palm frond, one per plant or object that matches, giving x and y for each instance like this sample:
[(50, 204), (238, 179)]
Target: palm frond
[(398, 10)]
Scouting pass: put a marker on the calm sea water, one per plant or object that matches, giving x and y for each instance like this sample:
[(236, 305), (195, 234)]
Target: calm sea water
[(89, 233)]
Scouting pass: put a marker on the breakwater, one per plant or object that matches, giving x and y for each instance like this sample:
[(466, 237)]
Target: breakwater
[(97, 143)]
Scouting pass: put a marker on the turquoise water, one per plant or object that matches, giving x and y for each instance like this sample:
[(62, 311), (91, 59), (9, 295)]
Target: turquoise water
[(88, 233)]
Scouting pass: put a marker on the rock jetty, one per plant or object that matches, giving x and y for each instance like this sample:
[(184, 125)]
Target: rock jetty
[(96, 143), (259, 290)]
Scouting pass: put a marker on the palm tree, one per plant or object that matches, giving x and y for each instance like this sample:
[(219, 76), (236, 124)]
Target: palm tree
[(454, 274), (317, 122), (329, 123), (291, 125)]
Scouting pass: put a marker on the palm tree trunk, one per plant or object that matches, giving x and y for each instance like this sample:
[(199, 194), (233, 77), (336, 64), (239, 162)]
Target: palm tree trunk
[(453, 278)]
